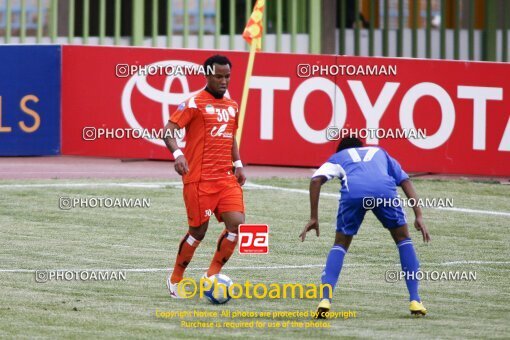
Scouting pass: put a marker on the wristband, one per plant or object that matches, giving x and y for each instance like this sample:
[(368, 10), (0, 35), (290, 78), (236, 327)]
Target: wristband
[(238, 164), (177, 153)]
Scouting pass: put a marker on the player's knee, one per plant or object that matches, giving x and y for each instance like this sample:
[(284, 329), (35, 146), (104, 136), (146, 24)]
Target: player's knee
[(198, 233), (199, 236), (232, 221), (399, 239), (233, 228), (343, 240), (399, 234)]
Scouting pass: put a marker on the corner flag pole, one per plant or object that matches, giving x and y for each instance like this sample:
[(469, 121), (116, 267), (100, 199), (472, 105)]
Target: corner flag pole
[(252, 34), (246, 88)]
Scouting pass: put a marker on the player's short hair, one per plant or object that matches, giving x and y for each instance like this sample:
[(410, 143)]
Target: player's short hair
[(216, 59), (349, 142)]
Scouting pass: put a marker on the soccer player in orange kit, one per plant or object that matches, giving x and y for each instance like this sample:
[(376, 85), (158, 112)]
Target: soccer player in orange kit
[(210, 184)]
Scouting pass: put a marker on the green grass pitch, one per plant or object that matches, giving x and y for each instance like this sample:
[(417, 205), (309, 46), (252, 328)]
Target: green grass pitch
[(36, 235)]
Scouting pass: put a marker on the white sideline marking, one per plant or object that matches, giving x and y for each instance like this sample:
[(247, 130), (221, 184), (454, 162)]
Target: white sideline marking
[(160, 185), (474, 262), (155, 270), (327, 194), (475, 211)]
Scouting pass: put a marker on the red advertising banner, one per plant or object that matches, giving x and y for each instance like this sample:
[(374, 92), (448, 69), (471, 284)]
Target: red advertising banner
[(433, 116)]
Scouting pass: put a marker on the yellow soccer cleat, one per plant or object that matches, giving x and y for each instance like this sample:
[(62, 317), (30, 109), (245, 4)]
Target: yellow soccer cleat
[(322, 309), (417, 308)]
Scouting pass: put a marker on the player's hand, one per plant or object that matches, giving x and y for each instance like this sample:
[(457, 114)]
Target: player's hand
[(181, 165), (312, 224), (420, 226), (241, 178)]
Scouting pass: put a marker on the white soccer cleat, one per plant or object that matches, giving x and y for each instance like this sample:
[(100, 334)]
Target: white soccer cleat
[(173, 289)]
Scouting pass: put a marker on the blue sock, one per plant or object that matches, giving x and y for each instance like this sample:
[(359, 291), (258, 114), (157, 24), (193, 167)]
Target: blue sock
[(410, 266), (332, 270)]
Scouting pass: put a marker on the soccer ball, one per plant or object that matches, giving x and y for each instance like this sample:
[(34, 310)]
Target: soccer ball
[(216, 288)]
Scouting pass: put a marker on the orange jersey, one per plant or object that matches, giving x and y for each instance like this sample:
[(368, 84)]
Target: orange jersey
[(210, 125)]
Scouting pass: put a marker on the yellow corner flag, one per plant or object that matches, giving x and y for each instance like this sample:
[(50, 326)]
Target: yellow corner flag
[(253, 35), (253, 29)]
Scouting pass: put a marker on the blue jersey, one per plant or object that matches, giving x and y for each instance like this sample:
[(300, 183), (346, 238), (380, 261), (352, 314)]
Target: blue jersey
[(364, 172)]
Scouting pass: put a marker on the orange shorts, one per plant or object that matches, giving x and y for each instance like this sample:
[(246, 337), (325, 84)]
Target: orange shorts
[(205, 198)]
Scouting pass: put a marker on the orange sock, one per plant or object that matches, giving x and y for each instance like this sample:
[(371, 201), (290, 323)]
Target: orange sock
[(226, 245), (187, 248)]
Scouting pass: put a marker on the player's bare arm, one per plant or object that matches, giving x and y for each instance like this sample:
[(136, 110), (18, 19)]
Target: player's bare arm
[(180, 164), (408, 188), (315, 191), (236, 158)]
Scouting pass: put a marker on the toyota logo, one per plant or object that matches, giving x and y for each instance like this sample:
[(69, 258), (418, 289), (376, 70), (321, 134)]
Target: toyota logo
[(162, 96)]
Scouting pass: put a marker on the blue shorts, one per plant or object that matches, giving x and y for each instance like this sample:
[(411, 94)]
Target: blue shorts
[(351, 213)]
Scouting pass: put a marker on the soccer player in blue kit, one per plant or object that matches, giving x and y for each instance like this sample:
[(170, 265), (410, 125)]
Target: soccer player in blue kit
[(366, 173)]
